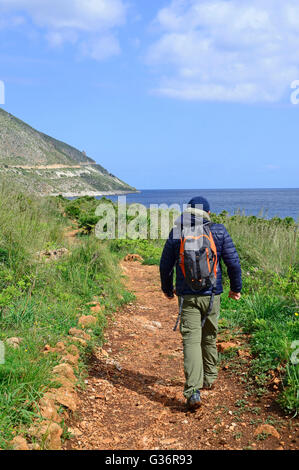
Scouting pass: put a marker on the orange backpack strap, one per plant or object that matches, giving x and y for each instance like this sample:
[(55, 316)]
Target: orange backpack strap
[(214, 249), (182, 257)]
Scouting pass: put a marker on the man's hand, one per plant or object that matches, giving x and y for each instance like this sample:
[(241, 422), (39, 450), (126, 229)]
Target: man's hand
[(234, 295), (169, 297)]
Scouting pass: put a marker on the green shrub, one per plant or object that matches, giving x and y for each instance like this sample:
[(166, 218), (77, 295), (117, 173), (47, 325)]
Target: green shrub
[(41, 300)]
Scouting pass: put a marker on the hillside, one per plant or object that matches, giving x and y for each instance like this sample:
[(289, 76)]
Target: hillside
[(45, 165)]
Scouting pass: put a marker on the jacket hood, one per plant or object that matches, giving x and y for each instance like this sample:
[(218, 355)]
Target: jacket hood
[(191, 219), (192, 216)]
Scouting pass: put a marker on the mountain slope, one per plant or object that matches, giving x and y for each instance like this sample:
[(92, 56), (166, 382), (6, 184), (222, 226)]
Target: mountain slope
[(45, 165)]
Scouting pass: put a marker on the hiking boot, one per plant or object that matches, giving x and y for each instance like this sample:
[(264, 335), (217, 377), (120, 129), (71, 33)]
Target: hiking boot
[(194, 401)]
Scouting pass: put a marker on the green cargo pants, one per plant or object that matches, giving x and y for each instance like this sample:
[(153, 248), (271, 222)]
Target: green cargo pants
[(200, 351)]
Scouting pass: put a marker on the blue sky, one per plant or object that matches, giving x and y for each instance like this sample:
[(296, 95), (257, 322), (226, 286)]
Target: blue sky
[(164, 94)]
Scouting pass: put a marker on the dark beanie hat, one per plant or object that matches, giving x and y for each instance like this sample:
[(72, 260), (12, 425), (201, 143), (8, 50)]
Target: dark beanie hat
[(200, 201)]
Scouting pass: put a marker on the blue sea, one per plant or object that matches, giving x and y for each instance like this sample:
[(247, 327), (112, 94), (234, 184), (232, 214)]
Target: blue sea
[(267, 203)]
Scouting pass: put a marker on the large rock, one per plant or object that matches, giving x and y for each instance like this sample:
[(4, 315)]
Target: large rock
[(133, 257), (66, 398), (149, 327), (97, 308), (14, 342), (80, 341), (71, 359), (53, 436), (222, 347), (48, 349), (65, 370), (64, 382), (73, 350), (75, 432), (79, 334), (48, 410), (19, 443), (34, 446), (48, 434), (266, 429), (60, 346), (87, 320)]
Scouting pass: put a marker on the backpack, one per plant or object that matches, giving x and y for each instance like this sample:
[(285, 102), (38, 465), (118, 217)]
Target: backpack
[(198, 258)]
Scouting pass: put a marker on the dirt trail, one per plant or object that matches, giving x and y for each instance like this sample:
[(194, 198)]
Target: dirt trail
[(133, 399)]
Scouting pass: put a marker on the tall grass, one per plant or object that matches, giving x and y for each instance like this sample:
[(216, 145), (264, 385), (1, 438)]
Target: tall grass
[(268, 245), (28, 224), (41, 300)]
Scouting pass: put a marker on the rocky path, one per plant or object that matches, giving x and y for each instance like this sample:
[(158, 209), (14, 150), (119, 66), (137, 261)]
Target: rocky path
[(133, 398)]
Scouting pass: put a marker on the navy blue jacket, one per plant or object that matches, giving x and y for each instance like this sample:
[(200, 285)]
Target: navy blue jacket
[(226, 251)]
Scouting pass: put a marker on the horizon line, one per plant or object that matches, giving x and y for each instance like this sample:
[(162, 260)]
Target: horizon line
[(210, 189)]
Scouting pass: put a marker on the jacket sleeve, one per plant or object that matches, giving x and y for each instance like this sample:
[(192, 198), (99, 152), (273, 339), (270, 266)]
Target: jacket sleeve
[(231, 259), (167, 263)]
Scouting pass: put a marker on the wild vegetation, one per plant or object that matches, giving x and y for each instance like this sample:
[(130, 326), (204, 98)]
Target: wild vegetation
[(40, 300), (268, 310)]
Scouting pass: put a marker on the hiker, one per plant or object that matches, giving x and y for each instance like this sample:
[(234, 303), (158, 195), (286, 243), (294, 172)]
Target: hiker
[(199, 299)]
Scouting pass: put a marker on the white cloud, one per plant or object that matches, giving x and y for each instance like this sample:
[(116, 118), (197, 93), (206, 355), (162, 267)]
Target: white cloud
[(227, 50), (85, 22), (14, 21), (58, 38), (101, 48)]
